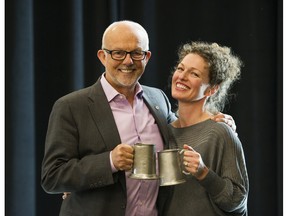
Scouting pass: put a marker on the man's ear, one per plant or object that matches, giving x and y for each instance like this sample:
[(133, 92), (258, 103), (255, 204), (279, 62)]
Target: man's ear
[(212, 90), (101, 56), (147, 57)]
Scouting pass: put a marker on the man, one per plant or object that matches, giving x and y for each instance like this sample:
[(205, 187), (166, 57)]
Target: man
[(88, 149)]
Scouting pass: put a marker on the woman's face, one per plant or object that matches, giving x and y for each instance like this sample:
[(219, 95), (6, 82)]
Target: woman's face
[(190, 79)]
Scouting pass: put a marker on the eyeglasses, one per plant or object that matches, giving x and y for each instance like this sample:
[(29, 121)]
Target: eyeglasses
[(120, 55)]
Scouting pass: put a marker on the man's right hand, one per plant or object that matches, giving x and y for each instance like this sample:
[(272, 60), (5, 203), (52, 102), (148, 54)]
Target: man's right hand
[(122, 157)]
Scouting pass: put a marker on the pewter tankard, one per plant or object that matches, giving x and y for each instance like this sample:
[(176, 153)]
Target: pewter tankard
[(144, 165), (170, 167)]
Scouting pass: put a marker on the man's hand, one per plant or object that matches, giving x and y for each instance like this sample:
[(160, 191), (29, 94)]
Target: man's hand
[(220, 117), (122, 157), (65, 195)]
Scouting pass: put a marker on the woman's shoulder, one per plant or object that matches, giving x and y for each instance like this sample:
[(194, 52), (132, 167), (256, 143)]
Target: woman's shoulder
[(220, 127), (225, 133)]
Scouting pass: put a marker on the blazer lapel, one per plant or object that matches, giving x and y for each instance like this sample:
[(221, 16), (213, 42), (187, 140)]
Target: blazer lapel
[(104, 121), (160, 118), (103, 116)]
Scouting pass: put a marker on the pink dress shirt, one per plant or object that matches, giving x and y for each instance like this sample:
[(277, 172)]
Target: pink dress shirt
[(135, 125)]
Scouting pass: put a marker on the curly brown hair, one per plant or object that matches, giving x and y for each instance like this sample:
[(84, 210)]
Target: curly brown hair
[(224, 69)]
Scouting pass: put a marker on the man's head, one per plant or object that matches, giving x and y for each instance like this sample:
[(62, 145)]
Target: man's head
[(123, 70)]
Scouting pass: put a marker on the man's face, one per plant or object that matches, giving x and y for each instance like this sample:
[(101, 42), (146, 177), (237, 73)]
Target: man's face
[(124, 74)]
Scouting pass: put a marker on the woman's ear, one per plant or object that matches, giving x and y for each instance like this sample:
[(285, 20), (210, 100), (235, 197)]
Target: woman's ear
[(212, 90)]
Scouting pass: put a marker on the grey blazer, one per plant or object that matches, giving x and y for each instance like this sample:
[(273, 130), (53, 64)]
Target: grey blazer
[(81, 133)]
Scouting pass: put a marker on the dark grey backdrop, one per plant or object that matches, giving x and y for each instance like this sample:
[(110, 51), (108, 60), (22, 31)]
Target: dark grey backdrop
[(50, 50)]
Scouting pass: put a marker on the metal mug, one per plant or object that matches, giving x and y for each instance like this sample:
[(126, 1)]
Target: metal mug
[(170, 167), (144, 165)]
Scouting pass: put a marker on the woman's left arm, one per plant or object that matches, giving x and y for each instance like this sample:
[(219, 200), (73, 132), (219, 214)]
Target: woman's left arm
[(228, 186)]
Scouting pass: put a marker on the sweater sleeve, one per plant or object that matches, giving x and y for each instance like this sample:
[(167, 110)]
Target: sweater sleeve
[(227, 182)]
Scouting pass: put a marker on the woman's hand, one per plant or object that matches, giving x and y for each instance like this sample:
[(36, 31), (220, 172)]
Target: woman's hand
[(193, 163)]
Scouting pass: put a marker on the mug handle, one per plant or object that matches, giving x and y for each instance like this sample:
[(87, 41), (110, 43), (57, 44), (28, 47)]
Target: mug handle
[(181, 152)]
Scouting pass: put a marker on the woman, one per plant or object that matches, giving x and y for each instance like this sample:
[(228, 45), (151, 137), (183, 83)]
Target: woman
[(217, 183)]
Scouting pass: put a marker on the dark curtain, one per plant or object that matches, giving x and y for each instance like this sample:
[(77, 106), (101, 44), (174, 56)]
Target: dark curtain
[(50, 50)]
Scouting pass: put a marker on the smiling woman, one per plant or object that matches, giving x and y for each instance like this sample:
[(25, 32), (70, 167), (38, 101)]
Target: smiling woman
[(212, 71), (218, 184), (194, 70)]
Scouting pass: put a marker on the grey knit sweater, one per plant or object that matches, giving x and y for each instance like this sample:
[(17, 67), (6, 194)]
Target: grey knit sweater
[(224, 191)]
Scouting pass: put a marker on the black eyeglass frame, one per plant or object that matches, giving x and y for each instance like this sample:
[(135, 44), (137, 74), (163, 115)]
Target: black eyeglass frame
[(144, 53)]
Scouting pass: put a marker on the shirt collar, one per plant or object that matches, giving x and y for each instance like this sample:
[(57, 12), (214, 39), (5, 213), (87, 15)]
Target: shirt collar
[(111, 93)]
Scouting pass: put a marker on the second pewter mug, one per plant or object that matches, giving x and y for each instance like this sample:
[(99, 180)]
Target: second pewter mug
[(144, 165), (170, 167)]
